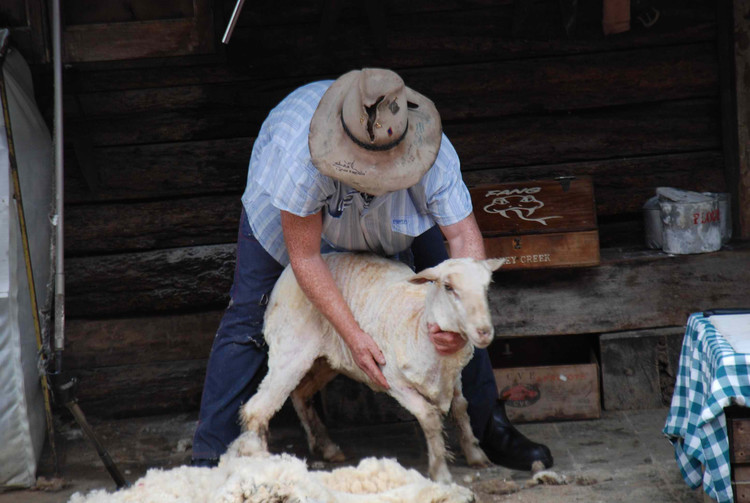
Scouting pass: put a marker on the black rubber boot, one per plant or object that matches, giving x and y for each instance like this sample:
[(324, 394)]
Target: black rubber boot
[(204, 463), (508, 447)]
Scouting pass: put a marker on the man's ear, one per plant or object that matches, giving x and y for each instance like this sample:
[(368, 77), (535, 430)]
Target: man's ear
[(425, 276), (495, 263)]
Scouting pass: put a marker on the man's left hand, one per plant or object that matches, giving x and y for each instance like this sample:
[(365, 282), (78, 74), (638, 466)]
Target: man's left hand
[(446, 343)]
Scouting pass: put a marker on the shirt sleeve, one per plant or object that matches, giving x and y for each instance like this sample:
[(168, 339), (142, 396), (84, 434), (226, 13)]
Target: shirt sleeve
[(448, 199)]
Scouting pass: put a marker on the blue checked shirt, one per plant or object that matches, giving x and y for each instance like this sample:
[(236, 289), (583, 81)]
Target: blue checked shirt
[(711, 376), (282, 177)]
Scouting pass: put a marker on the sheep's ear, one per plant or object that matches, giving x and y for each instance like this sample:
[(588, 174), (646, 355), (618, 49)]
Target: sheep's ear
[(425, 276), (495, 263)]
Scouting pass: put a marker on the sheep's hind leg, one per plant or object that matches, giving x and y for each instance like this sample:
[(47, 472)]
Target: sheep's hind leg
[(474, 454), (283, 376), (317, 436), (430, 420)]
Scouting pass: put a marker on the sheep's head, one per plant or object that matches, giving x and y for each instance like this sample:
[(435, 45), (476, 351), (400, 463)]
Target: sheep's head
[(458, 300)]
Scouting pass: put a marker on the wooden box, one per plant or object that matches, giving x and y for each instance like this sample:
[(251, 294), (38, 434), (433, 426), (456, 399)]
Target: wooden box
[(539, 224), (738, 425), (639, 367), (550, 393)]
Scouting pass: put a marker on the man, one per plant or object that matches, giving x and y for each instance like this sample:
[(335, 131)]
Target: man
[(357, 164)]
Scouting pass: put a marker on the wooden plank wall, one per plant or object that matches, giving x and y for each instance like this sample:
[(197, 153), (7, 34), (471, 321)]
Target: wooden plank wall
[(741, 75), (157, 153)]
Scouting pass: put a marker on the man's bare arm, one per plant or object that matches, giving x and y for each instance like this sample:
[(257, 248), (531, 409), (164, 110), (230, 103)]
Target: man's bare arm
[(465, 238), (302, 236)]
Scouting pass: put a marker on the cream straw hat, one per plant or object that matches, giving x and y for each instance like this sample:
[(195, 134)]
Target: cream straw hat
[(373, 133)]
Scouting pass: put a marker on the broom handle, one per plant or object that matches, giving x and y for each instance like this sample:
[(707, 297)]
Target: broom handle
[(232, 21)]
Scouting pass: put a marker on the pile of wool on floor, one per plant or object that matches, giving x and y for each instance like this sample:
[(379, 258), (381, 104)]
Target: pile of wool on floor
[(282, 479)]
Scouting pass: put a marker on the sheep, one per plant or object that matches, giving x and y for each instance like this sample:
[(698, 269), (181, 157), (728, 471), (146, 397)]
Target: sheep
[(394, 306)]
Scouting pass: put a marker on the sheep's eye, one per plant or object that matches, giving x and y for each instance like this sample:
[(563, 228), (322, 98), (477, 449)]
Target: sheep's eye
[(448, 288)]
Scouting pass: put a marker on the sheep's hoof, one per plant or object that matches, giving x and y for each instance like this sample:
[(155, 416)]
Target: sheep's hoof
[(480, 464), (247, 444), (477, 458), (333, 454), (441, 474)]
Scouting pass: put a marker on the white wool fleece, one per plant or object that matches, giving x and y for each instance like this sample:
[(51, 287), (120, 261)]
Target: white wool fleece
[(282, 478)]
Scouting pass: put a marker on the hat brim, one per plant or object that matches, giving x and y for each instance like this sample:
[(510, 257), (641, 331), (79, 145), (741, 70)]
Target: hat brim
[(334, 154)]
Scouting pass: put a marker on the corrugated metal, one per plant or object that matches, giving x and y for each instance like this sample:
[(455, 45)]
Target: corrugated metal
[(22, 427)]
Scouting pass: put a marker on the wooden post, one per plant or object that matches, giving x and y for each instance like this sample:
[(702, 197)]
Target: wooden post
[(742, 69), (734, 54)]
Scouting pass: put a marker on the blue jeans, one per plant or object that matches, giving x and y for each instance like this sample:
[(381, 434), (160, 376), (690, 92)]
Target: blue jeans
[(237, 362)]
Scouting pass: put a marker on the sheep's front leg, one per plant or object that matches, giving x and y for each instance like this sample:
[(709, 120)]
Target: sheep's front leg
[(430, 420), (474, 454), (283, 376)]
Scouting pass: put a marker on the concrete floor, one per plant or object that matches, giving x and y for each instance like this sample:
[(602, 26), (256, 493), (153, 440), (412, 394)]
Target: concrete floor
[(622, 457)]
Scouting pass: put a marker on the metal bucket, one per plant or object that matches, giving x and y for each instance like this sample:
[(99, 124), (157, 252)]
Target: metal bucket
[(691, 221), (652, 223), (725, 214)]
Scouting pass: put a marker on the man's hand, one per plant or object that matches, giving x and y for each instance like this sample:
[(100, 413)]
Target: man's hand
[(446, 343), (367, 356)]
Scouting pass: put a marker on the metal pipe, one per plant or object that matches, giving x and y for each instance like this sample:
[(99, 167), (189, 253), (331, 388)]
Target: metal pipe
[(232, 21), (59, 345), (65, 389), (110, 465), (66, 393)]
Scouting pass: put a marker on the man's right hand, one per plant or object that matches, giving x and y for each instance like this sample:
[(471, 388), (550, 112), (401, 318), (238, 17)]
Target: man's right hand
[(446, 343), (367, 356)]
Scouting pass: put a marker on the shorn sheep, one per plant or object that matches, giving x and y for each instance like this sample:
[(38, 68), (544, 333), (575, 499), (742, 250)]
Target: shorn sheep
[(394, 306)]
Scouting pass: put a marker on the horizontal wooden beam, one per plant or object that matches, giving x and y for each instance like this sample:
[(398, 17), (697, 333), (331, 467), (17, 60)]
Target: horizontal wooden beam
[(618, 131), (628, 291), (437, 38), (418, 33), (148, 339), (161, 170), (141, 389), (152, 225), (467, 91), (544, 302), (107, 41), (622, 185), (526, 140), (156, 363), (682, 126), (182, 278), (213, 167)]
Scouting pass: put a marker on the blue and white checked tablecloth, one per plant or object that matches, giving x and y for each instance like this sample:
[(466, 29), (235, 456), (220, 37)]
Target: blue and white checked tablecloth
[(711, 376)]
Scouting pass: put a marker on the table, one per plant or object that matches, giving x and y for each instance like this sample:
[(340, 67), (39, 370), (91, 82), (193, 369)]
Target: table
[(711, 376)]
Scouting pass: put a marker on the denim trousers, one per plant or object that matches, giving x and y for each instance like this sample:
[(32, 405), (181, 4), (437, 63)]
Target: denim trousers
[(237, 363)]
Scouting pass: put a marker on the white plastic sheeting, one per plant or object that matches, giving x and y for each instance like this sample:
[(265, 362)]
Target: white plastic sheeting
[(22, 418)]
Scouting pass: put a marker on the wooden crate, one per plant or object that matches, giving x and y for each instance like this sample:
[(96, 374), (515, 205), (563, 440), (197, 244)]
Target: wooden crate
[(539, 224), (550, 393), (639, 367), (738, 424)]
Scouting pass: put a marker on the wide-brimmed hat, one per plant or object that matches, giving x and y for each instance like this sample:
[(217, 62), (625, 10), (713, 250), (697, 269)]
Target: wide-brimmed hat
[(373, 133)]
